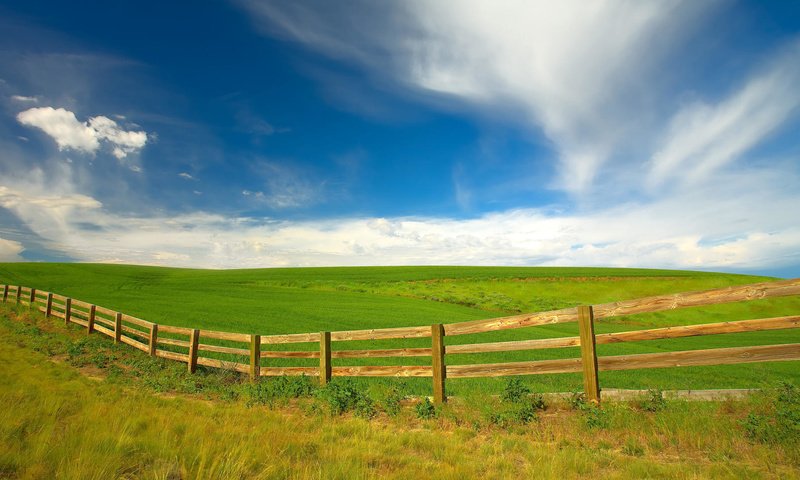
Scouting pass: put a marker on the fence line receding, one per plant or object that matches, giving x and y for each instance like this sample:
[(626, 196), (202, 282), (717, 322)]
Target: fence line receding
[(188, 345)]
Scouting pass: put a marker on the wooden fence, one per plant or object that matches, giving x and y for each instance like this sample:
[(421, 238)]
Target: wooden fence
[(188, 344)]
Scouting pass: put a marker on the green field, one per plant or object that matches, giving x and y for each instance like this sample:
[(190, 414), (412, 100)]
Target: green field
[(81, 407), (269, 301)]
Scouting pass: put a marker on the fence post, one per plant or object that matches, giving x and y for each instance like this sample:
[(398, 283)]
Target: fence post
[(591, 384), (5, 293), (117, 327), (33, 297), (194, 340), (153, 339), (324, 358), (439, 369), (49, 308), (19, 292), (67, 310), (255, 357), (92, 314)]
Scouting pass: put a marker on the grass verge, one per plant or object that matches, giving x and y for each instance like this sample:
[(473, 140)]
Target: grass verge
[(78, 407)]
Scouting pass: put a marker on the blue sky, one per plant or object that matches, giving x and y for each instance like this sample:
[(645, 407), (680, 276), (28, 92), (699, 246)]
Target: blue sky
[(245, 133)]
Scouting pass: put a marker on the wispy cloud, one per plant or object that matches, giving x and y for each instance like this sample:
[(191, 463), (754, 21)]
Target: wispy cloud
[(71, 134), (253, 124), (703, 138), (24, 99), (285, 186), (582, 74)]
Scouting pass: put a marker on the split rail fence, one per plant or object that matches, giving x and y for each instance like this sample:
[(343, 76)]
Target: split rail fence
[(191, 343)]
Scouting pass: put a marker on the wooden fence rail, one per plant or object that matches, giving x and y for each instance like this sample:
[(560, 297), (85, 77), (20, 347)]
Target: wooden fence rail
[(246, 353)]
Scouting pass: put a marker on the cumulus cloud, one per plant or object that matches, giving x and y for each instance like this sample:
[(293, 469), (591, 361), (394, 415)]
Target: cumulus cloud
[(71, 134), (123, 142), (63, 126)]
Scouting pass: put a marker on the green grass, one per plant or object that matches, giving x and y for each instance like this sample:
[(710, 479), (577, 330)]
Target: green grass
[(68, 414), (269, 301)]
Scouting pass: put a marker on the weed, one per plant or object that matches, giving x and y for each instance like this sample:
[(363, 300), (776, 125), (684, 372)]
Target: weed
[(100, 359), (277, 390), (652, 402), (229, 395), (577, 400), (342, 396), (594, 416), (777, 421), (89, 351), (77, 348), (632, 447), (517, 414), (365, 407), (391, 402), (425, 409), (514, 391), (518, 405)]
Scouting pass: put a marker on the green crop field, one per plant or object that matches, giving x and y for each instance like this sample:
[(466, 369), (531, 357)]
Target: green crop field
[(269, 301)]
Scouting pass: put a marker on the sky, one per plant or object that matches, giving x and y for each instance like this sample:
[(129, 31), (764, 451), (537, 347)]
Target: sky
[(248, 133)]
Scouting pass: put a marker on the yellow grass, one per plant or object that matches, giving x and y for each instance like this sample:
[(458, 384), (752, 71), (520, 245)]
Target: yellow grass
[(58, 422)]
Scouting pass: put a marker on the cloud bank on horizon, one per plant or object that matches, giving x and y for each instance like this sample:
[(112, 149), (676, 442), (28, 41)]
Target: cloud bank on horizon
[(616, 133)]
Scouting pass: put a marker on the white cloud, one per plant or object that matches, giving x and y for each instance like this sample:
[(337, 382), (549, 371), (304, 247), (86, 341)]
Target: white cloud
[(704, 138), (748, 229), (286, 186), (69, 133), (10, 251), (63, 127), (24, 99), (582, 72), (186, 176), (124, 142)]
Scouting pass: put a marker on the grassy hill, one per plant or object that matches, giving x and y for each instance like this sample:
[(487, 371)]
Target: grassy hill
[(270, 301)]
